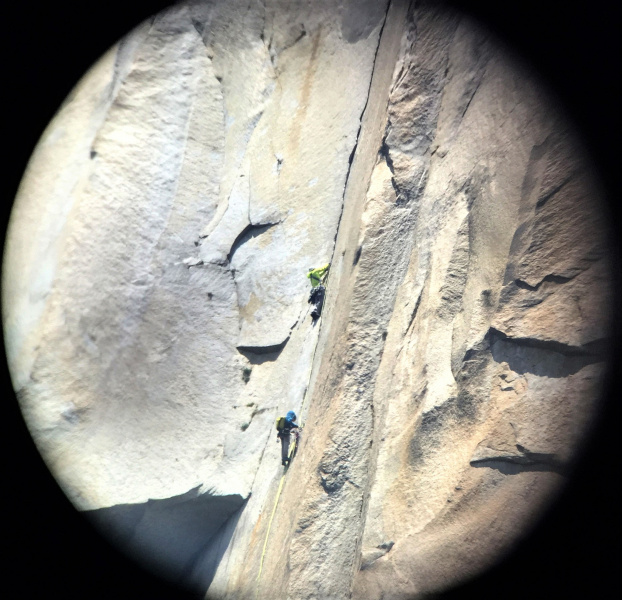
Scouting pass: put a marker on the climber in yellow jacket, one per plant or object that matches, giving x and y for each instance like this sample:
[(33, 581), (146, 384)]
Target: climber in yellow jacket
[(317, 278), (317, 275)]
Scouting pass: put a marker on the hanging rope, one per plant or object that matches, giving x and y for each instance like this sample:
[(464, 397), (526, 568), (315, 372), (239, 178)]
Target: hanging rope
[(265, 544)]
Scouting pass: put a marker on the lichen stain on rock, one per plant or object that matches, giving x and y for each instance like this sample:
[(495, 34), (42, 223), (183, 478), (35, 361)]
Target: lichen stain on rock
[(249, 310), (305, 93)]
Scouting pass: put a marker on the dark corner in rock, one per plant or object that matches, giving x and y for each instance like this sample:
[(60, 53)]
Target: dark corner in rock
[(357, 256), (545, 358), (385, 153), (200, 27), (351, 157), (529, 461), (369, 557), (181, 539), (257, 355), (360, 17), (247, 234)]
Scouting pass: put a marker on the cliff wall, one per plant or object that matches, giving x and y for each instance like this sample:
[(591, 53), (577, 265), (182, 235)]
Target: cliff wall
[(155, 299)]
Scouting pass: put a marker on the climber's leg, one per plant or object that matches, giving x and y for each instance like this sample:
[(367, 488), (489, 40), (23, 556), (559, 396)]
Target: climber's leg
[(284, 448)]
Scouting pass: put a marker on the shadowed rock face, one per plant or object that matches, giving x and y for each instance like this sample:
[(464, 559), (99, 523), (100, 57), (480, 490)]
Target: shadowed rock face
[(155, 298), (171, 535)]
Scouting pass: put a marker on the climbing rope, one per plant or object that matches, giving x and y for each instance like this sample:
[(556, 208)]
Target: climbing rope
[(265, 543), (292, 449), (290, 454)]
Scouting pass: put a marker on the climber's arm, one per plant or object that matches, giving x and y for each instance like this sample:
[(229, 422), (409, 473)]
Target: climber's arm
[(319, 273), (324, 269)]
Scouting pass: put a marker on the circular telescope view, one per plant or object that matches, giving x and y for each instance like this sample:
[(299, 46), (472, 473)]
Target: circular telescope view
[(310, 300)]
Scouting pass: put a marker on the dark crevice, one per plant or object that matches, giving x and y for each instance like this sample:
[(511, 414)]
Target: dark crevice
[(385, 152), (414, 312), (592, 349), (542, 201), (386, 546), (530, 461), (351, 157), (374, 555), (399, 197), (200, 27), (303, 34), (256, 411), (552, 278), (249, 232), (544, 358), (352, 483), (257, 355), (333, 479), (197, 263), (357, 256), (471, 99)]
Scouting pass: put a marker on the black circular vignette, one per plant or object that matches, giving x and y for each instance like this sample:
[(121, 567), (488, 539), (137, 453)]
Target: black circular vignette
[(48, 47)]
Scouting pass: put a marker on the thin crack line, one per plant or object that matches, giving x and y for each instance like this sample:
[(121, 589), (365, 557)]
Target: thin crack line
[(358, 133)]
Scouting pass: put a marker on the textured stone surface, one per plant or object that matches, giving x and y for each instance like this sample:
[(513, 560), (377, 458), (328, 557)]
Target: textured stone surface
[(155, 312)]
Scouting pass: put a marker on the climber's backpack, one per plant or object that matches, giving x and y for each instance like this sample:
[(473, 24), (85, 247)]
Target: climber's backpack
[(280, 423)]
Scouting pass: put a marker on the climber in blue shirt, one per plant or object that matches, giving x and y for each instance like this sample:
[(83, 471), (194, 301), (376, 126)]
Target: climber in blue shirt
[(284, 435)]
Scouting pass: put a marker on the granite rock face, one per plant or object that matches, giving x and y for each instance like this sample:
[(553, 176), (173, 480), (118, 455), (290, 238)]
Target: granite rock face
[(155, 299)]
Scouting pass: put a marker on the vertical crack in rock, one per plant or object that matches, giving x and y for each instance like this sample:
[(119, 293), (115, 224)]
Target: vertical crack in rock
[(358, 133), (350, 458), (477, 86), (411, 320)]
